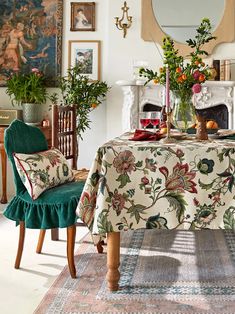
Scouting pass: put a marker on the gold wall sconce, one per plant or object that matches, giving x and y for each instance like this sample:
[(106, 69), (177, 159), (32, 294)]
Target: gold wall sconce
[(125, 21)]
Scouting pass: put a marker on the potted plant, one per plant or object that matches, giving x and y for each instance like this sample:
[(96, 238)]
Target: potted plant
[(77, 89), (29, 91)]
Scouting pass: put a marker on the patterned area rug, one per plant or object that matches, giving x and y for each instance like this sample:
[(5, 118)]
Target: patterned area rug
[(163, 272)]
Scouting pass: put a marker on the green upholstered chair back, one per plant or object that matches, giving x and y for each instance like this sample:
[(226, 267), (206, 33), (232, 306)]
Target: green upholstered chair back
[(22, 138)]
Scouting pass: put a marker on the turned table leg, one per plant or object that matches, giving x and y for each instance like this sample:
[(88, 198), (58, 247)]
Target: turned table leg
[(113, 260)]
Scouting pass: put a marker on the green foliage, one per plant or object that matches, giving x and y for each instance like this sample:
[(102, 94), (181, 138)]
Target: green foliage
[(27, 88), (136, 210), (203, 36), (183, 76), (123, 179), (104, 225), (156, 222), (228, 218), (177, 203), (78, 90)]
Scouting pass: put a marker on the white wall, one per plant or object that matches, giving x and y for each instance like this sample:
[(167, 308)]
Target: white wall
[(116, 63)]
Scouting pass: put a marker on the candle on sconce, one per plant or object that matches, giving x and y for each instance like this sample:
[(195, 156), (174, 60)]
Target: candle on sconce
[(167, 91)]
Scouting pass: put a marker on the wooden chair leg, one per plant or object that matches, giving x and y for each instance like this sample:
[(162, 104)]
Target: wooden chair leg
[(71, 234), (99, 247), (40, 240), (55, 234), (20, 244)]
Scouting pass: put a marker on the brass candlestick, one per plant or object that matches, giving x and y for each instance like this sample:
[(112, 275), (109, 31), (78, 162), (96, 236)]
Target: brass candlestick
[(168, 139)]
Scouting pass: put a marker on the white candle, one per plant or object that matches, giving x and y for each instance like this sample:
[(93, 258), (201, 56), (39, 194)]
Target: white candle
[(167, 99)]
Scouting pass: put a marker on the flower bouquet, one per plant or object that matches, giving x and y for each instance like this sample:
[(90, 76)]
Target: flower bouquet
[(185, 77)]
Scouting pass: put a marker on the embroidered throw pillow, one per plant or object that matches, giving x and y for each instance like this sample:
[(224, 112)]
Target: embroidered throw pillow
[(43, 170)]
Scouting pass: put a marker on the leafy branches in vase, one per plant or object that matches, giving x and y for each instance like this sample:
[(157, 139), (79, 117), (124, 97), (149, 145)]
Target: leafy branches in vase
[(186, 77), (77, 89)]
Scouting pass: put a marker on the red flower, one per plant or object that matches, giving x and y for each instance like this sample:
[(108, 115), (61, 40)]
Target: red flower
[(180, 180), (87, 208), (145, 180), (179, 153), (196, 74), (118, 202), (195, 201)]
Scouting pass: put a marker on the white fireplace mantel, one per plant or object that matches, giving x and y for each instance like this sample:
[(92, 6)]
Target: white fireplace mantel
[(136, 95)]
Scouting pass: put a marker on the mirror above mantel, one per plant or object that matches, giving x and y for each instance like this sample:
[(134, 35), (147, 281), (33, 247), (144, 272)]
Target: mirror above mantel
[(166, 17)]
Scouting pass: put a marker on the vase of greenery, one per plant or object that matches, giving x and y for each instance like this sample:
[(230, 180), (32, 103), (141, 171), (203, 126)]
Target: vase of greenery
[(77, 89), (183, 112), (29, 91)]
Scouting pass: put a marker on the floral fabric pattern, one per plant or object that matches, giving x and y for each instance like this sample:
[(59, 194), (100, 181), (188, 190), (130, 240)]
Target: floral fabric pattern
[(185, 185), (42, 171)]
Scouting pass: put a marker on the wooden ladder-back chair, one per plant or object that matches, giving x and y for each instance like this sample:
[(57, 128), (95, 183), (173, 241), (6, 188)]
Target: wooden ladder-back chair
[(64, 137)]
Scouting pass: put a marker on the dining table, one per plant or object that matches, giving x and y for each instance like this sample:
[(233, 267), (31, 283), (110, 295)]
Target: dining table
[(134, 184)]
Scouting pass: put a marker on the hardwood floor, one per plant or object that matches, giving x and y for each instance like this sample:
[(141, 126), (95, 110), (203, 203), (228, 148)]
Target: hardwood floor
[(24, 288)]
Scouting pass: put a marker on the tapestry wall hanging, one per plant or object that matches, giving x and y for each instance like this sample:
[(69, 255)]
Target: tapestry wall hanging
[(30, 37)]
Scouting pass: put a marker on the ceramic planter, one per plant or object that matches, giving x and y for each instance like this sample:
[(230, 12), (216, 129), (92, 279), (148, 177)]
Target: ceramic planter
[(31, 113)]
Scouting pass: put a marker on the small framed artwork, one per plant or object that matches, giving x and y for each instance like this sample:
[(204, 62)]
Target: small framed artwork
[(82, 16), (86, 53)]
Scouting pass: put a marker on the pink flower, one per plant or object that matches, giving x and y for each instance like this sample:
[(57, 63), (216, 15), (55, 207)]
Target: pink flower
[(196, 88), (35, 70), (196, 74), (124, 162)]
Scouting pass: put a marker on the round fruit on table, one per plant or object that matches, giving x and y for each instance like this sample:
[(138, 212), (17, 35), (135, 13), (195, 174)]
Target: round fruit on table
[(212, 124)]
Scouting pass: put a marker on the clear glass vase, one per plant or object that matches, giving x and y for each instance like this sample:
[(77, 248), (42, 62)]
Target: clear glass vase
[(183, 114)]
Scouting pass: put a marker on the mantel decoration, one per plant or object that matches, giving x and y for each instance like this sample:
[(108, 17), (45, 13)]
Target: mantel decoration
[(76, 88), (28, 90), (183, 78)]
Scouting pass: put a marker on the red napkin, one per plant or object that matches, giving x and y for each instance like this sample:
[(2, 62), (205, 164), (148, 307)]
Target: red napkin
[(144, 135)]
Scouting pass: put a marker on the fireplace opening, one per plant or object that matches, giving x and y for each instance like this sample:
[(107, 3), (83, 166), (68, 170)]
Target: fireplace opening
[(151, 107), (219, 113)]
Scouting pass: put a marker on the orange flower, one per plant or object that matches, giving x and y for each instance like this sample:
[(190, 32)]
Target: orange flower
[(184, 77), (201, 78), (94, 105), (179, 79), (178, 70), (196, 62), (155, 81)]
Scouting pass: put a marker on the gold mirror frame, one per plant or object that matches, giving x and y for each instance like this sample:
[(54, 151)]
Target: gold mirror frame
[(151, 30)]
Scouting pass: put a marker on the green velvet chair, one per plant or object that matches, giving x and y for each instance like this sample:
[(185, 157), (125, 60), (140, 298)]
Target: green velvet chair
[(54, 208)]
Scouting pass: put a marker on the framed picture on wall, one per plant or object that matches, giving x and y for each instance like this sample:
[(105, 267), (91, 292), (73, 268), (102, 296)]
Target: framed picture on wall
[(86, 53), (82, 16), (30, 37)]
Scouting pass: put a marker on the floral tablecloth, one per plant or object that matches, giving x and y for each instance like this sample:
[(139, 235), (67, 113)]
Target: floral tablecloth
[(185, 185)]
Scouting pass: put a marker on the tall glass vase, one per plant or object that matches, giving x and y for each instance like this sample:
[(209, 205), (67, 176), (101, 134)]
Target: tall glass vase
[(183, 114)]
